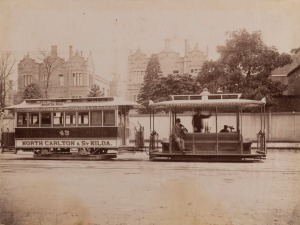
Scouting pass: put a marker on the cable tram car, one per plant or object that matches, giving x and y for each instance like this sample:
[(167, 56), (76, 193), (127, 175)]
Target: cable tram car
[(73, 128), (209, 143)]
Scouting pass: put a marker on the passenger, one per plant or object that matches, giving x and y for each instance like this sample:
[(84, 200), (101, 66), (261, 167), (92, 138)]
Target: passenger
[(225, 129), (177, 135), (198, 121)]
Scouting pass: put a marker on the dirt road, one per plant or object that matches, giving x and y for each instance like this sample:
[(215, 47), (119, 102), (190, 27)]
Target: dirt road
[(137, 191)]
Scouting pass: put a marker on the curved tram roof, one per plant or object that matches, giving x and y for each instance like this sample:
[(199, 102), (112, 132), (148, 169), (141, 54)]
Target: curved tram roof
[(205, 99), (74, 104)]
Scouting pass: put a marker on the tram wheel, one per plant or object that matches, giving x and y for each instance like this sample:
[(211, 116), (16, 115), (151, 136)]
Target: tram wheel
[(44, 152), (103, 151)]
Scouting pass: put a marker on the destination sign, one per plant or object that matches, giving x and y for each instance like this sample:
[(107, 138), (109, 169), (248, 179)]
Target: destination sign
[(70, 108), (65, 143)]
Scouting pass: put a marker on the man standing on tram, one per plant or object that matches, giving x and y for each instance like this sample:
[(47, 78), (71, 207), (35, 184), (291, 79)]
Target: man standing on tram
[(198, 121)]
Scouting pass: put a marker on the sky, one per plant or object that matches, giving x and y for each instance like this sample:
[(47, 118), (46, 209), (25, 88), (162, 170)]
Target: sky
[(110, 29)]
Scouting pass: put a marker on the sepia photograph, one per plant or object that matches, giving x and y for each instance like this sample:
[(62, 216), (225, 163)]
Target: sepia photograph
[(149, 112)]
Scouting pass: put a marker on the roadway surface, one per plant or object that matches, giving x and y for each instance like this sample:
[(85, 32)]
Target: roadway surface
[(131, 190)]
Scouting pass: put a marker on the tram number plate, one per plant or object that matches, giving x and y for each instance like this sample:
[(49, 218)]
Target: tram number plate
[(66, 143)]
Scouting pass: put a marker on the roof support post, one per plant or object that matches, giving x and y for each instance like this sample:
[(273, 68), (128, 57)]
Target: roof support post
[(170, 131), (194, 147), (239, 129), (217, 136)]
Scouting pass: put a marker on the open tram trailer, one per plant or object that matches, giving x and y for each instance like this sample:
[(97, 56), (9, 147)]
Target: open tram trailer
[(73, 128), (210, 145)]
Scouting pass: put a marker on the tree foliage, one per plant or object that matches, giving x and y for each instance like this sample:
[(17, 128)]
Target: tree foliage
[(7, 62), (175, 84), (95, 91), (151, 78), (158, 88), (245, 65), (33, 91), (50, 64)]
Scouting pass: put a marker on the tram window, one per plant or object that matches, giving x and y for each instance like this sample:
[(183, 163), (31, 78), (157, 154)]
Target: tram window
[(96, 118), (58, 118), (33, 119), (83, 118), (109, 118), (46, 119), (70, 118), (22, 119)]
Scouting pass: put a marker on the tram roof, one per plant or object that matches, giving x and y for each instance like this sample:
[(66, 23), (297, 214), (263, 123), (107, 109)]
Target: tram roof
[(76, 103), (207, 100)]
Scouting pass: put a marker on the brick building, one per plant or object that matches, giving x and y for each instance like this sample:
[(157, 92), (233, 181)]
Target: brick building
[(170, 63), (71, 78)]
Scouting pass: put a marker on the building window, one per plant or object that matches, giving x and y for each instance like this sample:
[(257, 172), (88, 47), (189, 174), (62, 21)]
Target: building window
[(175, 71), (91, 81), (195, 71), (61, 80), (138, 76), (135, 98), (77, 79), (27, 80)]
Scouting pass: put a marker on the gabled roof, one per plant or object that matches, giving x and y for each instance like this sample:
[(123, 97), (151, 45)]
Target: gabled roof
[(293, 70)]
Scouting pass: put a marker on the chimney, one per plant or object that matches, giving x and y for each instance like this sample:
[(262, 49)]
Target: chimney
[(53, 51), (167, 46), (70, 52), (186, 46), (207, 51)]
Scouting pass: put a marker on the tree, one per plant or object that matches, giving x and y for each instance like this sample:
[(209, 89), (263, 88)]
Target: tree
[(7, 62), (51, 62), (175, 84), (33, 91), (95, 91), (245, 65), (152, 75)]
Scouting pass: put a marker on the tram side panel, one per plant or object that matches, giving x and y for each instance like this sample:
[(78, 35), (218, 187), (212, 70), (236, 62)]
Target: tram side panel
[(211, 143), (85, 137)]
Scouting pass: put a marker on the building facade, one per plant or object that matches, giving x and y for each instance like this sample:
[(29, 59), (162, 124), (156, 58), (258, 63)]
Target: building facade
[(68, 79), (294, 81), (170, 63)]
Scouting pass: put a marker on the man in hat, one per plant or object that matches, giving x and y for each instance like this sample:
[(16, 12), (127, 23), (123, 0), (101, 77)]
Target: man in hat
[(177, 135), (225, 129)]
